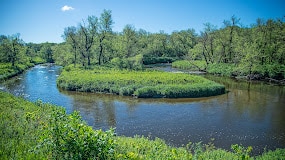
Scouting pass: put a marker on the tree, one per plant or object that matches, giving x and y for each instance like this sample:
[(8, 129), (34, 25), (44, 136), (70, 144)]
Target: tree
[(105, 29), (231, 28), (207, 39), (129, 41), (71, 37), (11, 48), (183, 41), (87, 38), (47, 52)]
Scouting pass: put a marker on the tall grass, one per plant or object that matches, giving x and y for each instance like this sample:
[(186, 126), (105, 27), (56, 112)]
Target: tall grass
[(44, 131), (7, 70), (189, 65), (143, 84), (223, 69)]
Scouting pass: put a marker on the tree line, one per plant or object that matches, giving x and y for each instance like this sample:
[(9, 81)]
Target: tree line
[(258, 48)]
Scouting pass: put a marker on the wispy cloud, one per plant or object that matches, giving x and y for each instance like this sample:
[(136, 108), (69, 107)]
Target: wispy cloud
[(66, 8)]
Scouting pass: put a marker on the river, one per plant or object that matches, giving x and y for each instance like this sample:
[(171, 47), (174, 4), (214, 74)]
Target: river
[(250, 113)]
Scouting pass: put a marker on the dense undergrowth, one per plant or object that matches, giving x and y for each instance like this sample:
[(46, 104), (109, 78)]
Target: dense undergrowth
[(230, 69), (44, 131), (142, 84), (190, 65), (7, 70)]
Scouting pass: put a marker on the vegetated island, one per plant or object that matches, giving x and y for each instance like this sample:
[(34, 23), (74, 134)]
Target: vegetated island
[(141, 84), (35, 130)]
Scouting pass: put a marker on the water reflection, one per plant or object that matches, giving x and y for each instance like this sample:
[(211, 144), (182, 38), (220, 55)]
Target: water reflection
[(249, 113)]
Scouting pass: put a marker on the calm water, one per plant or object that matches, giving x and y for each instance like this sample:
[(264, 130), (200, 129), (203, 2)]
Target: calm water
[(249, 114)]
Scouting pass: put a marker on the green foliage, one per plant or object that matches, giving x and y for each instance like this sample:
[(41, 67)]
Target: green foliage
[(224, 69), (37, 60), (277, 154), (189, 65), (128, 63), (43, 131), (154, 60), (68, 137), (143, 84), (241, 152), (142, 148), (8, 71), (21, 123)]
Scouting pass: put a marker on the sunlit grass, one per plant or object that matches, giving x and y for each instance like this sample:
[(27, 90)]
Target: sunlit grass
[(8, 71), (189, 65), (143, 84)]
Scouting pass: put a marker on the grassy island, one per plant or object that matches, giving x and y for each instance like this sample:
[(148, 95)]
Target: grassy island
[(142, 84)]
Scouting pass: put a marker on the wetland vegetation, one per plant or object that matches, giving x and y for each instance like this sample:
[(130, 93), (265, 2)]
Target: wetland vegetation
[(142, 84)]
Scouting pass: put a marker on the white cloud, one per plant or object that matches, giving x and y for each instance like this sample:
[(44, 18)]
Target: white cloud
[(67, 8)]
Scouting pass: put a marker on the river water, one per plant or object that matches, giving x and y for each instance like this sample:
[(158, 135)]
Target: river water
[(250, 113)]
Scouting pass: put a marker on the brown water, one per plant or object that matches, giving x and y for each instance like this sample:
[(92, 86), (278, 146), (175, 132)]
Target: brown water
[(250, 113)]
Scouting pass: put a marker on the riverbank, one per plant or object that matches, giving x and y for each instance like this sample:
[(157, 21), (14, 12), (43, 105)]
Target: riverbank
[(8, 71), (141, 84), (267, 73), (44, 131)]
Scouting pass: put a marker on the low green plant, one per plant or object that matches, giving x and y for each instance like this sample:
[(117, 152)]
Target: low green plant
[(68, 137), (190, 65), (7, 70), (43, 131), (142, 84), (223, 69), (241, 152)]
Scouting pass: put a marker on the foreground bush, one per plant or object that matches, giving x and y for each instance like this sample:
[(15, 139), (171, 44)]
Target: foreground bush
[(143, 84), (44, 131)]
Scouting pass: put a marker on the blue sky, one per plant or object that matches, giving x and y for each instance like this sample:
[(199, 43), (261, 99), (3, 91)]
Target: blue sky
[(44, 20)]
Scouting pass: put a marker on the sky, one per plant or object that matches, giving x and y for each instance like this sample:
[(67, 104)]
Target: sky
[(41, 21)]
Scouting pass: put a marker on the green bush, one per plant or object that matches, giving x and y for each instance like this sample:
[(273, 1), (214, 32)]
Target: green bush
[(43, 131), (68, 137)]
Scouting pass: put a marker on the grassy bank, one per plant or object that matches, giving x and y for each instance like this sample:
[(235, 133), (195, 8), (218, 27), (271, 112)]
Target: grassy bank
[(7, 70), (227, 69), (190, 65), (44, 131), (143, 84)]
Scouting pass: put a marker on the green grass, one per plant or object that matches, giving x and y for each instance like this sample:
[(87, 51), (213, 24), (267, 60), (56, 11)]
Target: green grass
[(189, 65), (7, 70), (44, 131), (143, 84), (223, 69)]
